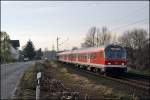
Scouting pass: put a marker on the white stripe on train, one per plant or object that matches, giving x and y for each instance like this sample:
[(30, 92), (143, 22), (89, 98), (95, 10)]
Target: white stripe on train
[(94, 65)]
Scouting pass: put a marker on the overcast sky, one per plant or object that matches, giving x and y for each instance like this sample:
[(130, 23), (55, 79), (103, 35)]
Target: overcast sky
[(43, 21)]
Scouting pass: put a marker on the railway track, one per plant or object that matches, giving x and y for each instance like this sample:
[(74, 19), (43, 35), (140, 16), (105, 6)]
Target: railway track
[(144, 83), (136, 83), (138, 76)]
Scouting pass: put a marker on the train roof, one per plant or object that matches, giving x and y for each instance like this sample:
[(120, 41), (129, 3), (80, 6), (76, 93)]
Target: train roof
[(86, 50)]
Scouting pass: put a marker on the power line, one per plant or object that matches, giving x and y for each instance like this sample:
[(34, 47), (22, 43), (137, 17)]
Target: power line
[(121, 18), (63, 42), (139, 21), (60, 44)]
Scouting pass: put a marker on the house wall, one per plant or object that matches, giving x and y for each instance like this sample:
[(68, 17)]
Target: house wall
[(15, 53)]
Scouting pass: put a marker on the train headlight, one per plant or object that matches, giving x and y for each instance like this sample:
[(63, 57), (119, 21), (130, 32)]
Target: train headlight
[(122, 63), (109, 63)]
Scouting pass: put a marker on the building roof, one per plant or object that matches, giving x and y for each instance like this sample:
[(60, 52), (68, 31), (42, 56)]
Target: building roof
[(15, 43)]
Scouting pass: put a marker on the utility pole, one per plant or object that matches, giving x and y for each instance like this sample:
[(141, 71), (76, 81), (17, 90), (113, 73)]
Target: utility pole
[(58, 44)]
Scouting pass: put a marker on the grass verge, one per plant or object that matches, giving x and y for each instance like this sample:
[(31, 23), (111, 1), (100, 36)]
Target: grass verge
[(27, 87), (139, 72), (87, 88)]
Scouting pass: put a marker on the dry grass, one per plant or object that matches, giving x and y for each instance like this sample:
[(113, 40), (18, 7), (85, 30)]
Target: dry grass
[(27, 86), (90, 88), (86, 87)]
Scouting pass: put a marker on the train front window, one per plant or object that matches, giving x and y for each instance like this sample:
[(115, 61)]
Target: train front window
[(115, 52)]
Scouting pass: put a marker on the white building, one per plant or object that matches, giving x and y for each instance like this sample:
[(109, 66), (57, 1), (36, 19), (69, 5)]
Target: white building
[(14, 52), (14, 49)]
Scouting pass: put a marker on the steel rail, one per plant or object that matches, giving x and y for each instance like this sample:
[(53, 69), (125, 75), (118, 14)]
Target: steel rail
[(123, 81)]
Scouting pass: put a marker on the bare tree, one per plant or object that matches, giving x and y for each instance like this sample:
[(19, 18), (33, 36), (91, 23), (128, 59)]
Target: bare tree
[(74, 48), (90, 38), (135, 41), (95, 37), (125, 40), (104, 37), (114, 39)]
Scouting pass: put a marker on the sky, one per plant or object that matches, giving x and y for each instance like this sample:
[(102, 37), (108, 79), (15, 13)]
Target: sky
[(43, 21)]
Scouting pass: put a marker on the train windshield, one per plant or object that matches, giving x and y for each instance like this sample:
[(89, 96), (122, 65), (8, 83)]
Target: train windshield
[(115, 52)]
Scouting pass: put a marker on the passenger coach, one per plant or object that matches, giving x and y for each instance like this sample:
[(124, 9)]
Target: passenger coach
[(110, 58)]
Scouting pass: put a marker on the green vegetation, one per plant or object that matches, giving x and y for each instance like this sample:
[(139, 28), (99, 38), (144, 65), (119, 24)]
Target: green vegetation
[(140, 72), (38, 54), (5, 53), (91, 88), (29, 50), (27, 87), (136, 42)]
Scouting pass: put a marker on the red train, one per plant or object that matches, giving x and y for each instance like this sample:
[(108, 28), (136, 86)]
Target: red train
[(109, 58)]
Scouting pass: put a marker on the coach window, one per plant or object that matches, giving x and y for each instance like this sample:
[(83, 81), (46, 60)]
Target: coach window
[(82, 56), (94, 55), (101, 53), (91, 56), (78, 56), (72, 55), (85, 56)]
